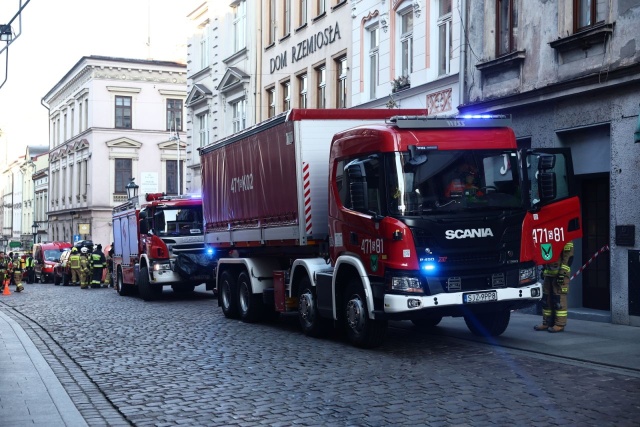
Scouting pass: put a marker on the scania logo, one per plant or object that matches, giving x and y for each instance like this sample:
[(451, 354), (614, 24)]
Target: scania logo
[(468, 233)]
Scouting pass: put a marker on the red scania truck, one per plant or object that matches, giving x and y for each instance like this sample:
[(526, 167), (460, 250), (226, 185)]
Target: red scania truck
[(159, 243), (357, 217)]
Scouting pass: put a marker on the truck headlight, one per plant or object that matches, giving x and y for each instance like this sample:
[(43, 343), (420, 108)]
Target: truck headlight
[(527, 275), (164, 266), (406, 284)]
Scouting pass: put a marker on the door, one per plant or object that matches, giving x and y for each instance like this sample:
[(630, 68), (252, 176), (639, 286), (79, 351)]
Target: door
[(596, 286)]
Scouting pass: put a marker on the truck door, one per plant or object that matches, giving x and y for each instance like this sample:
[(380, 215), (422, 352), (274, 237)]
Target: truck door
[(554, 215)]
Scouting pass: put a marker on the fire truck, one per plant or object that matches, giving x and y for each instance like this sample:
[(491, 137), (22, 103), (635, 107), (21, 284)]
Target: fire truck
[(160, 243), (353, 218)]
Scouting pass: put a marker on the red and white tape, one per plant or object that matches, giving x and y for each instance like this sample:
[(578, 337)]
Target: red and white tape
[(602, 249)]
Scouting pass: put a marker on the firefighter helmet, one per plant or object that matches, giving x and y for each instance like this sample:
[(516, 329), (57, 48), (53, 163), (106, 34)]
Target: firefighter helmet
[(84, 250), (74, 249)]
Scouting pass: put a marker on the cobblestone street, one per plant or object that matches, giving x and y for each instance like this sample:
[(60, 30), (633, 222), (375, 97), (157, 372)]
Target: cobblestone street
[(178, 361)]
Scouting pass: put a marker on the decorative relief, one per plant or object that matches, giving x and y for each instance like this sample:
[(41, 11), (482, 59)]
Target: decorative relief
[(439, 102)]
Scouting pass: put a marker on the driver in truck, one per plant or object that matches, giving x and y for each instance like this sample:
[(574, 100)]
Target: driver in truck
[(464, 184)]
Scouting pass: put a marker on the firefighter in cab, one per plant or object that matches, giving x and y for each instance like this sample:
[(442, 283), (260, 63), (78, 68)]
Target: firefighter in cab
[(16, 267), (555, 290), (74, 266), (97, 263), (84, 268)]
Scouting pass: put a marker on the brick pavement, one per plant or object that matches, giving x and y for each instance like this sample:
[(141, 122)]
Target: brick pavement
[(178, 361)]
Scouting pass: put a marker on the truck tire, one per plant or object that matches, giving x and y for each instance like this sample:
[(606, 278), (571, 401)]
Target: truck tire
[(250, 305), (228, 295), (488, 324), (310, 321), (148, 292), (65, 279), (427, 322), (123, 289), (361, 330), (56, 280), (183, 288)]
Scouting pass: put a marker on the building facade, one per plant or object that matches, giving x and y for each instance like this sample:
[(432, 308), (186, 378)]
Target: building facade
[(112, 119), (569, 73)]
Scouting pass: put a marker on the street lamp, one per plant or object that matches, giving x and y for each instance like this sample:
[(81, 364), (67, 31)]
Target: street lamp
[(6, 33), (132, 189), (34, 230), (3, 243), (72, 213)]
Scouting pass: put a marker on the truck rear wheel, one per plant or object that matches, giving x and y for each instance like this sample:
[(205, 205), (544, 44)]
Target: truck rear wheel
[(488, 324), (56, 280), (228, 295), (361, 330), (312, 324), (122, 288), (250, 305), (148, 291)]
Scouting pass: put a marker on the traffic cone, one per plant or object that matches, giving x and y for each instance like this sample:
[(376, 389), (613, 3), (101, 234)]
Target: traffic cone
[(6, 290)]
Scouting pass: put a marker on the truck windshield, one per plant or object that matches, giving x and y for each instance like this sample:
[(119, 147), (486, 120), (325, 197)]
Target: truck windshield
[(52, 254), (453, 180), (178, 221)]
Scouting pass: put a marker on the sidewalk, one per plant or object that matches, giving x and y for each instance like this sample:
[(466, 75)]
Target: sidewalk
[(30, 393)]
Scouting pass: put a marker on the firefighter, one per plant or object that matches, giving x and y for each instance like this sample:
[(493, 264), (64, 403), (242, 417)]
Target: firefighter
[(3, 268), (84, 268), (97, 262), (554, 292), (16, 266), (29, 267), (74, 266), (110, 265)]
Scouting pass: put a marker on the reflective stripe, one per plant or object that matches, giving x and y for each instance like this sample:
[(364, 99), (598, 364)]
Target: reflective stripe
[(561, 313), (566, 268), (547, 313)]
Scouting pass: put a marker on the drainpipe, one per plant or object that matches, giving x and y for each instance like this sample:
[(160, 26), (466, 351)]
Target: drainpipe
[(463, 52)]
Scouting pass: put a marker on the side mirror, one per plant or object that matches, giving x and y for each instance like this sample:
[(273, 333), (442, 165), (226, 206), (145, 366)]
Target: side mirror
[(144, 226), (546, 162)]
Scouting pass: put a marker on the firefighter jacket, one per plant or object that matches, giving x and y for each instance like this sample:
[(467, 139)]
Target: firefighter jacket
[(561, 267), (74, 260), (29, 262), (97, 260), (84, 263)]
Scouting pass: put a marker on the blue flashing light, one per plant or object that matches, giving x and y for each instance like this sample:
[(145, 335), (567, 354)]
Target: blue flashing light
[(428, 267), (210, 251)]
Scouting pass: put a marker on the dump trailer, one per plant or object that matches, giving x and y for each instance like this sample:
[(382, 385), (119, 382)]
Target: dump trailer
[(159, 242), (352, 218)]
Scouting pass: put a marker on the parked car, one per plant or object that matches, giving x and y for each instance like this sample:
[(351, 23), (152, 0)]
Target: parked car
[(61, 270), (45, 257)]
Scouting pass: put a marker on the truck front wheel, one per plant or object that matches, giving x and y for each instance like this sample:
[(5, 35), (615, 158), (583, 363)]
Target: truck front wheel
[(361, 330), (312, 324), (122, 288), (250, 304), (148, 292), (488, 324), (228, 295)]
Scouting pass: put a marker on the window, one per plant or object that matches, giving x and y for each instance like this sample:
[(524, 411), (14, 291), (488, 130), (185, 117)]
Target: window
[(445, 48), (123, 112), (204, 52), (406, 43), (587, 13), (239, 25), (286, 18), (358, 181), (73, 121), (374, 46), (507, 31), (302, 83), (303, 12), (322, 7), (239, 115), (174, 181), (341, 82), (86, 113), (203, 129), (271, 102), (80, 128), (174, 115), (64, 124), (321, 74), (286, 96), (271, 34), (122, 175)]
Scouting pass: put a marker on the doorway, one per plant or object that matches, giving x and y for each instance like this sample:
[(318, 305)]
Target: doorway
[(596, 285)]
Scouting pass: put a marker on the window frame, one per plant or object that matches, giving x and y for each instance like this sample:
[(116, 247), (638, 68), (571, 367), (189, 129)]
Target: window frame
[(239, 26), (203, 129), (374, 60), (286, 95), (171, 176), (445, 50), (406, 36), (321, 87), (239, 115), (512, 38), (593, 15), (341, 81), (123, 109), (122, 175), (303, 93), (171, 112), (271, 102)]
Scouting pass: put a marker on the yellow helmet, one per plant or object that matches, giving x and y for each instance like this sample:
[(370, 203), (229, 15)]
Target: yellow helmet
[(74, 250)]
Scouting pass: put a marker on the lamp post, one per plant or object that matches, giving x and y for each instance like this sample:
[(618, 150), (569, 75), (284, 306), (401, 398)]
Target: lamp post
[(132, 189), (72, 213), (34, 230), (3, 243)]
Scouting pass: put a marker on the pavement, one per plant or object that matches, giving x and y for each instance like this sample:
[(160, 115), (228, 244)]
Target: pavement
[(32, 395)]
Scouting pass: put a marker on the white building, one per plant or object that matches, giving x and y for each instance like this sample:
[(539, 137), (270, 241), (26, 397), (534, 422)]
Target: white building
[(112, 119)]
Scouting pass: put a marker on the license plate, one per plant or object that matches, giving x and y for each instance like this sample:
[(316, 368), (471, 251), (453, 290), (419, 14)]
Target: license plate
[(471, 298)]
